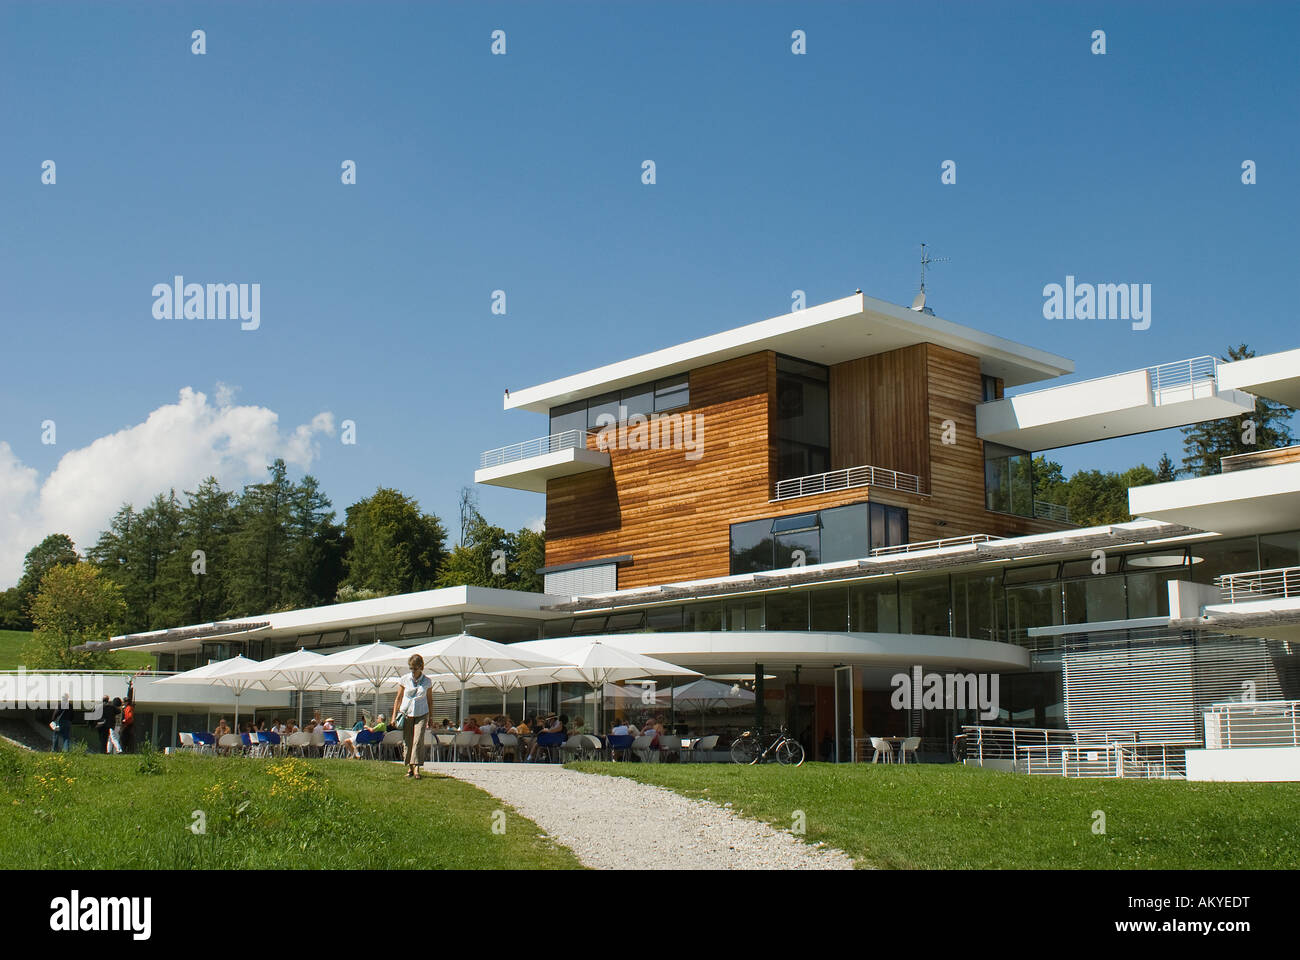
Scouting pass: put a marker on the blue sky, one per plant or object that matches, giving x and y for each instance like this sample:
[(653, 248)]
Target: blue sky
[(522, 172)]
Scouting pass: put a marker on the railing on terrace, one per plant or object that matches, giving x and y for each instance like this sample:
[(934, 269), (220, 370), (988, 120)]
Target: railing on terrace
[(1181, 373), (847, 479), (1077, 753), (1051, 511), (534, 448), (1264, 723), (933, 544), (1280, 582)]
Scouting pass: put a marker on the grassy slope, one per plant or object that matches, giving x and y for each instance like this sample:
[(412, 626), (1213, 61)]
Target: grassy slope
[(948, 816), (13, 641), (358, 815)]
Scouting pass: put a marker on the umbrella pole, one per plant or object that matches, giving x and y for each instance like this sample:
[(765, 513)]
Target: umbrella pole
[(462, 704), (300, 693)]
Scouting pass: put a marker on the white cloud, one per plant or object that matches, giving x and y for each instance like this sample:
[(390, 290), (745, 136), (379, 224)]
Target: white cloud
[(537, 524), (177, 445)]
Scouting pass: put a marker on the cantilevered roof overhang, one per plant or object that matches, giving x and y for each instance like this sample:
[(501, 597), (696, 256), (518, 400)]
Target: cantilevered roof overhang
[(531, 473), (1244, 501), (1274, 375), (773, 648), (1138, 401), (828, 333)]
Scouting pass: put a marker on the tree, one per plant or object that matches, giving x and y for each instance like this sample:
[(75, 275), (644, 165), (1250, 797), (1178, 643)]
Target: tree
[(530, 556), (1165, 471), (483, 560), (316, 549), (55, 550), (193, 578), (393, 546), (12, 616), (468, 512), (75, 605), (1098, 497), (1205, 444), (260, 544)]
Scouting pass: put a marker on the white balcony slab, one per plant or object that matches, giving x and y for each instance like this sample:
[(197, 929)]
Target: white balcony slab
[(531, 473), (1246, 501), (1115, 406), (1274, 375)]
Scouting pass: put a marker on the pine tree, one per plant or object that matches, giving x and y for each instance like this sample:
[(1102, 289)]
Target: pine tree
[(392, 546), (1205, 444), (1165, 471)]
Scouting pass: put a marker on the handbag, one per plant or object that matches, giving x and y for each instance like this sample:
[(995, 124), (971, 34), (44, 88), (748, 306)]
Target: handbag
[(399, 720)]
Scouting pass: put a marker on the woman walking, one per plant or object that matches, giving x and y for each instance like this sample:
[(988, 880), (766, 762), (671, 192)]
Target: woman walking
[(413, 705)]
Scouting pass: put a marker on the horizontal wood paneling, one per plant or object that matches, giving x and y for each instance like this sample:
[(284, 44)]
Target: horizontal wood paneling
[(673, 515)]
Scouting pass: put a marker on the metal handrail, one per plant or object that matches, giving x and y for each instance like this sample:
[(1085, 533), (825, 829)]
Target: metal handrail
[(1258, 584), (846, 479), (1181, 373), (1078, 753), (536, 447), (1051, 511), (933, 544), (1260, 723)]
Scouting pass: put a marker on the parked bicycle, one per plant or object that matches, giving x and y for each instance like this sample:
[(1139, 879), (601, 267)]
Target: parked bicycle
[(747, 748)]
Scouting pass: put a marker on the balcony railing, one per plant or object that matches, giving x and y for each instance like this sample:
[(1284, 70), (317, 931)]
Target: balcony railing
[(1077, 753), (1051, 511), (534, 448), (968, 540), (1181, 373), (1280, 582), (1264, 723), (847, 479)]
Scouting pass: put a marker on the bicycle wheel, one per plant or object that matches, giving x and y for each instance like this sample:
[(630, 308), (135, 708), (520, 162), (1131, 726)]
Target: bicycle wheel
[(744, 750), (790, 753)]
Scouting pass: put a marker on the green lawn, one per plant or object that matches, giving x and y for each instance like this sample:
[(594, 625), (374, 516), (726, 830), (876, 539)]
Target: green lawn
[(950, 816), (13, 641), (106, 812)]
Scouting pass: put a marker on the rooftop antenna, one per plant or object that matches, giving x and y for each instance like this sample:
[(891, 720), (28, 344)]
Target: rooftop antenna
[(919, 303)]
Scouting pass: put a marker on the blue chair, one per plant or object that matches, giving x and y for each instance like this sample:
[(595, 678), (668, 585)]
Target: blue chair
[(248, 744), (551, 743), (331, 748), (367, 740), (619, 744), (206, 741)]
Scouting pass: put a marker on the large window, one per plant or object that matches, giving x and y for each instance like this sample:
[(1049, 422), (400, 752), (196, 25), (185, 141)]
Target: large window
[(873, 607), (644, 398), (826, 536), (923, 607), (1008, 480), (803, 418)]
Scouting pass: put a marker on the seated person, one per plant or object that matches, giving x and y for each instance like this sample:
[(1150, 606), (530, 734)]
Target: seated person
[(620, 728), (578, 725), (552, 725), (523, 729), (377, 727), (222, 729), (470, 726), (327, 724)]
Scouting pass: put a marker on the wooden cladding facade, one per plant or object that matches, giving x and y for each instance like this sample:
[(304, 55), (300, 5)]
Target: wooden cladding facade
[(673, 514)]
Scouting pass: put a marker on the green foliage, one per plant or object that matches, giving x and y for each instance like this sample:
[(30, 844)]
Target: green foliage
[(393, 547), (947, 816), (1094, 497), (491, 557), (1205, 444), (75, 605), (55, 550)]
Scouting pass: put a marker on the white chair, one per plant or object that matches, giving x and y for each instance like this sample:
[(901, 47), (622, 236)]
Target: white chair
[(298, 742), (467, 741), (393, 743), (187, 741), (670, 744), (317, 742), (594, 746), (510, 744), (641, 747), (704, 745), (487, 746), (910, 745), (445, 745), (575, 745), (231, 743), (884, 749)]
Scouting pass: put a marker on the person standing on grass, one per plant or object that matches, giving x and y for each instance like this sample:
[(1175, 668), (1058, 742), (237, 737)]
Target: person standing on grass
[(115, 726), (414, 702), (104, 723), (61, 724)]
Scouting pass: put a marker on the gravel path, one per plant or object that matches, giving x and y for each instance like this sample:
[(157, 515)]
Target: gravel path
[(620, 824)]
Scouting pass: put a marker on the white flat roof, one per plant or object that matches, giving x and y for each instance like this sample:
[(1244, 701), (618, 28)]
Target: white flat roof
[(1244, 501), (828, 333), (1274, 375)]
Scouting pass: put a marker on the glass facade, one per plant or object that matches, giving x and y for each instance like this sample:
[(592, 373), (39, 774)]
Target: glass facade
[(653, 396), (803, 418), (1008, 480), (827, 536)]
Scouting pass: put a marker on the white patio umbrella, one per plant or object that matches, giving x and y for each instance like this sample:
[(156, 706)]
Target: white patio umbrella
[(465, 656), (507, 681), (371, 662), (706, 694), (222, 673), (633, 693), (596, 663), (297, 670)]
